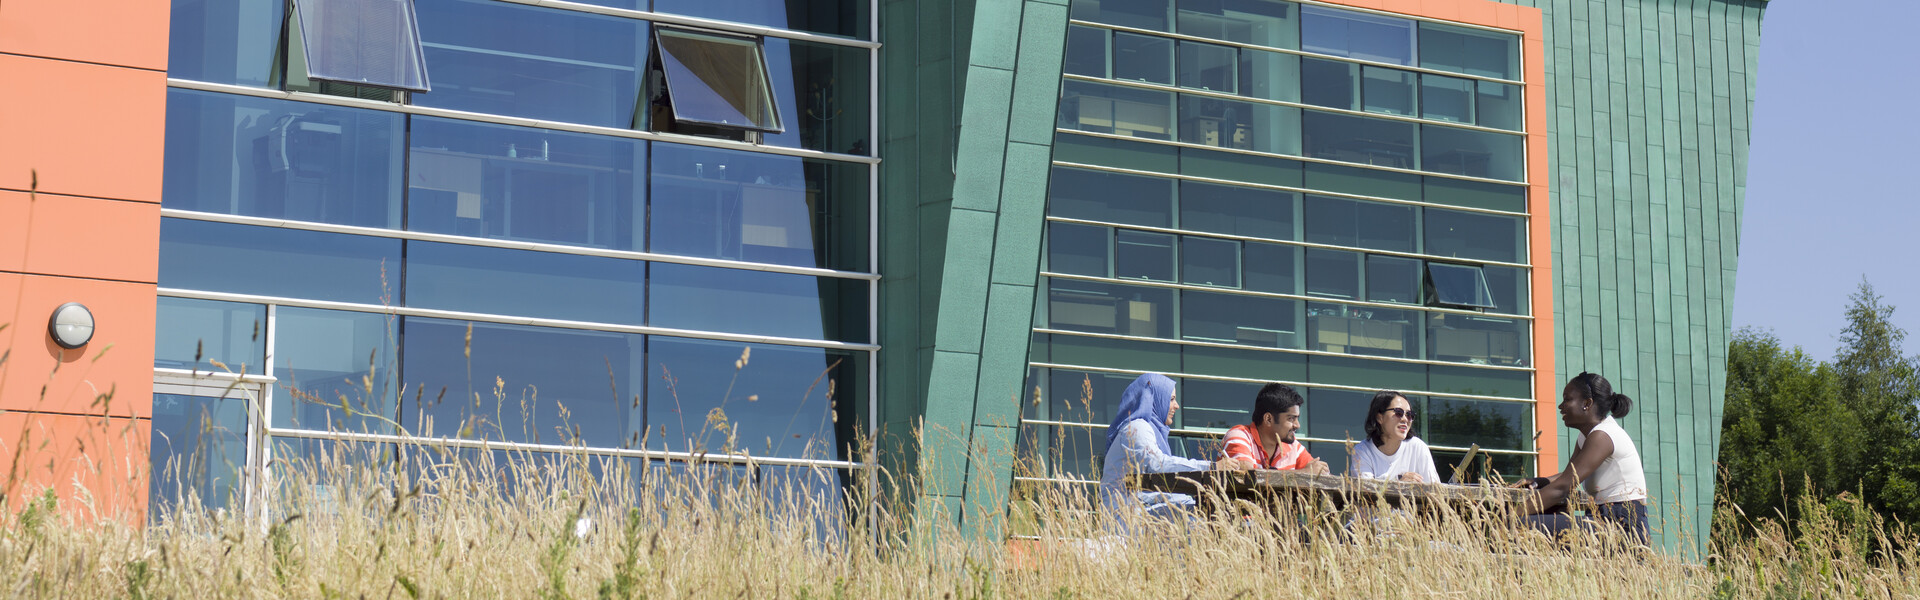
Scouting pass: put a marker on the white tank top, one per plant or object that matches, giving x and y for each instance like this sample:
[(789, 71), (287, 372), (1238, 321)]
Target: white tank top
[(1621, 477)]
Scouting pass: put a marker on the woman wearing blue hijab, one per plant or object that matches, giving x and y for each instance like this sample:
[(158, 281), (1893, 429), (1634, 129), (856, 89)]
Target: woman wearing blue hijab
[(1137, 443)]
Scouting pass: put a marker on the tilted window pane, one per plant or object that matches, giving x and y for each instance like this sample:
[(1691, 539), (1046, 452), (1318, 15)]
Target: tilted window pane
[(1143, 255), (1333, 273), (717, 80), (757, 303), (1498, 105), (1101, 108), (1109, 308), (1257, 22), (1208, 67), (1472, 153), (1378, 142), (1330, 83), (1387, 91), (1142, 58), (363, 42), (517, 183), (1478, 340), (526, 283), (1211, 121), (260, 157), (1086, 51), (1111, 197), (1493, 425), (1358, 35), (1446, 98), (1269, 75), (1363, 330), (832, 17), (1459, 285), (1270, 268), (1473, 235), (327, 358), (1393, 279), (193, 334), (1139, 14), (199, 449), (1510, 290), (755, 207), (766, 400), (822, 90), (273, 261), (224, 41), (541, 63), (1235, 210), (1078, 249), (1470, 51), (523, 384), (1209, 261), (1238, 319)]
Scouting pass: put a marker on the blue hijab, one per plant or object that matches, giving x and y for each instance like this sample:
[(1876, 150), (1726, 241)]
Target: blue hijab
[(1149, 398)]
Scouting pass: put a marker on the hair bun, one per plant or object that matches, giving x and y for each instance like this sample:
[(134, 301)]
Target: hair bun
[(1621, 405)]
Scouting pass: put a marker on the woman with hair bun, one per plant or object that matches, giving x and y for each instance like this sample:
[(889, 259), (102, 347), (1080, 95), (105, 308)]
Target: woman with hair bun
[(1604, 460)]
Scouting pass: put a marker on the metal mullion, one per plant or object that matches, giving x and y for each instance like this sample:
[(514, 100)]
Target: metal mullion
[(1185, 342), (1298, 52), (1158, 87), (1293, 189), (1292, 157), (734, 459), (1300, 297)]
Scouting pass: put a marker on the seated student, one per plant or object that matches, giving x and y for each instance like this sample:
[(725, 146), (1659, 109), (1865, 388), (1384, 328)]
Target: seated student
[(1268, 442), (1137, 443), (1604, 460), (1391, 451)]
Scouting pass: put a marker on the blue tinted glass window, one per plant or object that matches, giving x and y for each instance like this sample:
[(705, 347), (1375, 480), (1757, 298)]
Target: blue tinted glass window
[(1476, 339), (1374, 225), (523, 384), (192, 334), (1209, 261), (1470, 51), (832, 17), (1211, 121), (525, 283), (272, 261), (1102, 108), (1393, 279), (1496, 425), (1078, 249), (1257, 22), (1235, 210), (508, 59), (1498, 105), (1142, 58), (756, 207), (335, 370), (757, 303), (1363, 140), (1140, 14), (1270, 268), (1269, 75), (825, 89), (1143, 255), (1365, 331), (1111, 197), (224, 41), (1473, 235), (1459, 285), (1330, 83), (1237, 319), (199, 448), (761, 399), (1387, 91), (1472, 153), (1209, 67), (361, 42), (1509, 287), (1333, 273), (1336, 415), (1109, 308), (1358, 35), (1086, 51), (518, 183), (261, 157), (1446, 98)]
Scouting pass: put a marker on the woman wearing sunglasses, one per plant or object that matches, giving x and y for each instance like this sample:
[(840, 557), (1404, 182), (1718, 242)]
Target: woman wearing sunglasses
[(1604, 460), (1391, 451)]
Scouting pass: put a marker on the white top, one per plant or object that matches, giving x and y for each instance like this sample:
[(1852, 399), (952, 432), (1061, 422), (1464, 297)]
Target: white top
[(1135, 451), (1621, 477), (1412, 457)]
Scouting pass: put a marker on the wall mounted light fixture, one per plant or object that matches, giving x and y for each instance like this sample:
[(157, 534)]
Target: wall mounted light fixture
[(71, 325)]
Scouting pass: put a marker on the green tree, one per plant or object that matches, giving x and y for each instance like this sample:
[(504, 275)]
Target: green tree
[(1879, 386), (1785, 428)]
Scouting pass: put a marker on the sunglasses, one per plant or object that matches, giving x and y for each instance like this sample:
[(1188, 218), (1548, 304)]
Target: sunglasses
[(1399, 413)]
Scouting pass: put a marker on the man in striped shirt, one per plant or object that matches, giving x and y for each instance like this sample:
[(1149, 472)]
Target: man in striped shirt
[(1268, 442)]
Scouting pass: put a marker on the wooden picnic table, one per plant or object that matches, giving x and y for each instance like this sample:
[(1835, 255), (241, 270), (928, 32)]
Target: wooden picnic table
[(1266, 485)]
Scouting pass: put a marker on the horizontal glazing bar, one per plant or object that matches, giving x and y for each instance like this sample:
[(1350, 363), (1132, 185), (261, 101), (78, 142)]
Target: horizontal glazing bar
[(1223, 432), (1113, 136), (562, 449), (1180, 36), (519, 121), (702, 23), (1284, 188), (1316, 299), (190, 377), (1305, 384), (1247, 238), (1181, 342), (510, 244), (1301, 105), (511, 320)]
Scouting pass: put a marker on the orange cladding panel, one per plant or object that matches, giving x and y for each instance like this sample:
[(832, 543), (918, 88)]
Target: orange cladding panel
[(97, 466), (77, 236), (111, 375), (126, 33), (89, 130)]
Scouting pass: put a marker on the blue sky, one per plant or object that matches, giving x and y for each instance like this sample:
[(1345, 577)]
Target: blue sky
[(1831, 178)]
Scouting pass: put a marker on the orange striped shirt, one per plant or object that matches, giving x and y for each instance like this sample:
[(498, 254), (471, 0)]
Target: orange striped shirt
[(1241, 443)]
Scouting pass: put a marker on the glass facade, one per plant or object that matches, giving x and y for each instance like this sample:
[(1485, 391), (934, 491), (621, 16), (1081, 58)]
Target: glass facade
[(549, 266), (1329, 198)]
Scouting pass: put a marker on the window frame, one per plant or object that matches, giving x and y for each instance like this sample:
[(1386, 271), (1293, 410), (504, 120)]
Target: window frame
[(658, 95)]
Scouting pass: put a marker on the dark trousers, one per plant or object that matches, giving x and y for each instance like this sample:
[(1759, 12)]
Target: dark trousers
[(1629, 516)]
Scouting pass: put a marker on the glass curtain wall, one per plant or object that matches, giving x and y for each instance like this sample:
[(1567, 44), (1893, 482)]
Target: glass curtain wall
[(1273, 205), (541, 270)]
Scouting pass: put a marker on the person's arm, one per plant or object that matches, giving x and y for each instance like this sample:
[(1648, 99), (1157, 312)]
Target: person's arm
[(1237, 453), (1423, 463), (1308, 463), (1584, 463), (1145, 456)]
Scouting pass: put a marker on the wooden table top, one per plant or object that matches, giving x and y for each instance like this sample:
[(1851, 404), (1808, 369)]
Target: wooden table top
[(1253, 483)]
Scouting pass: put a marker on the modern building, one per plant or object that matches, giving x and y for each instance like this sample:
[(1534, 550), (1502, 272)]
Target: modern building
[(765, 230)]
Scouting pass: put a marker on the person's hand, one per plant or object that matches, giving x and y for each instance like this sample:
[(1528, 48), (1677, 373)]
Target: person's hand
[(1521, 485), (1410, 477), (1318, 467), (1231, 464)]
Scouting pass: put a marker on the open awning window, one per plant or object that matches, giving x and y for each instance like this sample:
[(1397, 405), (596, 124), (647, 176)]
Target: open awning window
[(717, 80), (1459, 285), (372, 43)]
